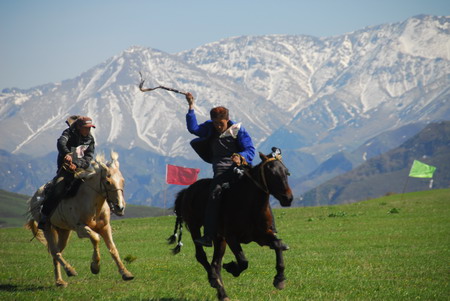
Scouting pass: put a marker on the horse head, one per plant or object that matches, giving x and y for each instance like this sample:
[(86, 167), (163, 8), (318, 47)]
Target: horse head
[(274, 175), (112, 182)]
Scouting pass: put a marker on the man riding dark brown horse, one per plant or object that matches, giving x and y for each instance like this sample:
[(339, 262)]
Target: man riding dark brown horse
[(244, 216), (229, 148)]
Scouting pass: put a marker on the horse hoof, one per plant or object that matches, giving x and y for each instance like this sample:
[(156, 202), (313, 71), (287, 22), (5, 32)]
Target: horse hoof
[(127, 276), (71, 272), (232, 268), (61, 283), (279, 284), (95, 268)]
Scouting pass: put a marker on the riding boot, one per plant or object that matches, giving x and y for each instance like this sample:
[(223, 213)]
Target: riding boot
[(46, 210), (46, 207), (43, 220)]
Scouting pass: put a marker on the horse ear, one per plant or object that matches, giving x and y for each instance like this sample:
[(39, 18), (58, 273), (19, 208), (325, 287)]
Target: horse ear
[(114, 160), (263, 157), (114, 156)]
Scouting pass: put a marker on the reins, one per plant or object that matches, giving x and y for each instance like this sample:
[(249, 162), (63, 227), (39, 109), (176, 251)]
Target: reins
[(102, 186), (264, 186)]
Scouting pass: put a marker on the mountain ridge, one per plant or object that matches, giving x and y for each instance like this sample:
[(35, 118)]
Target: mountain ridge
[(312, 97)]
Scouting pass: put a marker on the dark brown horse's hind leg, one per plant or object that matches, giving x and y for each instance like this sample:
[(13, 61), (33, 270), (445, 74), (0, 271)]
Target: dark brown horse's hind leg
[(235, 268), (279, 280)]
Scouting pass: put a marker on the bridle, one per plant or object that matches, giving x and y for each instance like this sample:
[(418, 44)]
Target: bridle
[(104, 191), (264, 187)]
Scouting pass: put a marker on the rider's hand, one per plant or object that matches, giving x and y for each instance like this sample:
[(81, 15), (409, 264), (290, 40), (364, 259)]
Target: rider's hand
[(68, 158), (190, 99), (236, 159), (72, 167)]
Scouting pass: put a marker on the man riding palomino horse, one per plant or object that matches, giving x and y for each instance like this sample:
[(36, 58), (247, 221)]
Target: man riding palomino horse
[(229, 148), (76, 148)]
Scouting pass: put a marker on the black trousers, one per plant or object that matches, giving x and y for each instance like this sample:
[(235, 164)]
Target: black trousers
[(58, 189), (221, 179)]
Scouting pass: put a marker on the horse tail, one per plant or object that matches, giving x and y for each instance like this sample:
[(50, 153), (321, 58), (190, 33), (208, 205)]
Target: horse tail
[(178, 231), (32, 226), (33, 213)]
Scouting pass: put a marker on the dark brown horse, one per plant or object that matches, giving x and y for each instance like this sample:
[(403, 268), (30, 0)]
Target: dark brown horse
[(245, 216)]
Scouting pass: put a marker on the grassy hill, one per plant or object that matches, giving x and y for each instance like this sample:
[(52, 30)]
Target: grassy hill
[(388, 173), (13, 208), (391, 248)]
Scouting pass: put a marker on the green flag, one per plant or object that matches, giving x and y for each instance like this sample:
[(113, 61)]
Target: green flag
[(421, 170)]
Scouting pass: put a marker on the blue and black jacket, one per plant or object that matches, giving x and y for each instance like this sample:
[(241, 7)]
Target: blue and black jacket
[(205, 131)]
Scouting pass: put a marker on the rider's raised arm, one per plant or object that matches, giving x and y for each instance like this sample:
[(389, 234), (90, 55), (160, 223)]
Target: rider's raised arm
[(193, 127)]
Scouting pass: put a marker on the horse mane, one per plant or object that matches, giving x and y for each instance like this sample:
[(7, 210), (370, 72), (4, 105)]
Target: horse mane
[(255, 169), (101, 159)]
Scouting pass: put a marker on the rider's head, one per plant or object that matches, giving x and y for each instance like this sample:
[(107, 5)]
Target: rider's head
[(84, 125), (220, 118)]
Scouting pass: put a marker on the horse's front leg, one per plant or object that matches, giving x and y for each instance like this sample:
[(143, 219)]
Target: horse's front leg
[(84, 231), (106, 233), (216, 266), (200, 254), (241, 264), (63, 238), (279, 279), (95, 263)]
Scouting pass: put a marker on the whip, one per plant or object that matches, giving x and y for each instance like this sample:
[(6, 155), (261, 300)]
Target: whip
[(141, 84)]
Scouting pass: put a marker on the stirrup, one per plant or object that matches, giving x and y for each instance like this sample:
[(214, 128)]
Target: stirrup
[(43, 222), (42, 225)]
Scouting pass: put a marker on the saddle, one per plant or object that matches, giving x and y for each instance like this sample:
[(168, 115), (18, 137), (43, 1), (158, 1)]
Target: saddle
[(71, 190)]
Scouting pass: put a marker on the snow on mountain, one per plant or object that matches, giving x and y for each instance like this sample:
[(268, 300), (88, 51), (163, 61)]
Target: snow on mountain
[(125, 116), (307, 95)]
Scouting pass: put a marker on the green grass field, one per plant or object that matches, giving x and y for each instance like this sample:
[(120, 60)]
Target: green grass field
[(392, 248)]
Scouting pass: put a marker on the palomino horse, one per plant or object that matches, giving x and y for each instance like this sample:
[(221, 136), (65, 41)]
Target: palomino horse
[(87, 213), (245, 216)]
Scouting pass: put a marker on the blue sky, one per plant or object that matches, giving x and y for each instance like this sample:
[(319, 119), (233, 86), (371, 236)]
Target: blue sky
[(53, 40)]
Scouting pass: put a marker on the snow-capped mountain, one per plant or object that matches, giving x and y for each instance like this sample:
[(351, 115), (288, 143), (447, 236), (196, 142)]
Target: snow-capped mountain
[(307, 95)]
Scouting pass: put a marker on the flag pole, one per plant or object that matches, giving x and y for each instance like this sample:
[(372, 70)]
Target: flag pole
[(404, 188), (165, 188), (165, 194)]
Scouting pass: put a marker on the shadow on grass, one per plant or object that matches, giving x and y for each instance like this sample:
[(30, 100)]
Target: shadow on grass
[(18, 288)]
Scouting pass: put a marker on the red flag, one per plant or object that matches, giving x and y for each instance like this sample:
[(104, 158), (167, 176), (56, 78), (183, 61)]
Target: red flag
[(181, 175)]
